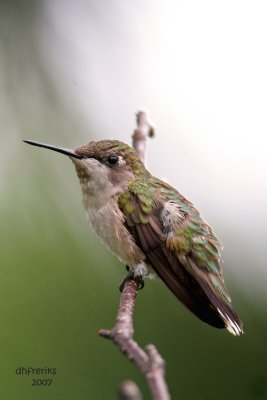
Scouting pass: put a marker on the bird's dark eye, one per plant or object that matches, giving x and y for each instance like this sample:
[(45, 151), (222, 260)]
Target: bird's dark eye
[(112, 160)]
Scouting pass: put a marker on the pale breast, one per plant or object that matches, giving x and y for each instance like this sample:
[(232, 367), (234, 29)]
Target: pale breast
[(108, 224), (100, 196)]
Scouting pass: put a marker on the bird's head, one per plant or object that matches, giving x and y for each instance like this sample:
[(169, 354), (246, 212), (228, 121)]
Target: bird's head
[(103, 165)]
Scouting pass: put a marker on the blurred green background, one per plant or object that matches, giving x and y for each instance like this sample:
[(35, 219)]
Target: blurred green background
[(74, 71)]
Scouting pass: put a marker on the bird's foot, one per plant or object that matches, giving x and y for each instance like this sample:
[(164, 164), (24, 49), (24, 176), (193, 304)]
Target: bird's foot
[(131, 276)]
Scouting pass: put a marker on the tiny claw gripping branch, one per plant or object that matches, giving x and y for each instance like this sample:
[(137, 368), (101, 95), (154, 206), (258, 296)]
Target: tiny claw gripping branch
[(130, 276)]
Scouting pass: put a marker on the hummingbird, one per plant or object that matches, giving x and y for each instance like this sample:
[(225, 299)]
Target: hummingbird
[(150, 226)]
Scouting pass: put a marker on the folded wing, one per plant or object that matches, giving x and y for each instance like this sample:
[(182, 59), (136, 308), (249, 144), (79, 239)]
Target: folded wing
[(184, 253)]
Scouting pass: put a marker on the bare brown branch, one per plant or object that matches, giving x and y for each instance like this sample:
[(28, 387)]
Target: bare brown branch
[(148, 361)]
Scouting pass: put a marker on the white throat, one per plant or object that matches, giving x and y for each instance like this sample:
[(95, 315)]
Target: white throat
[(96, 186), (100, 183)]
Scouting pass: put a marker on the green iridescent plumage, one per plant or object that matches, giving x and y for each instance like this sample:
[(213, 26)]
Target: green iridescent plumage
[(192, 234), (187, 237)]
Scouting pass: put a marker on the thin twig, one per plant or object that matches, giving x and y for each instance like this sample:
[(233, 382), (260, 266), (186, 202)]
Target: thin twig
[(148, 361), (143, 130)]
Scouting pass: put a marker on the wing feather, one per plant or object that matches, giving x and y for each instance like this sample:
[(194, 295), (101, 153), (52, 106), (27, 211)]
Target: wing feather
[(177, 279), (185, 257)]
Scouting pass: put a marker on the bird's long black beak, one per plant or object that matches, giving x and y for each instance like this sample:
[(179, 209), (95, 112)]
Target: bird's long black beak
[(63, 150)]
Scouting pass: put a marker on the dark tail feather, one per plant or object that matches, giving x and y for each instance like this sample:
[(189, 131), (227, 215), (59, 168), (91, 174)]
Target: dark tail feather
[(184, 287), (231, 320), (190, 289)]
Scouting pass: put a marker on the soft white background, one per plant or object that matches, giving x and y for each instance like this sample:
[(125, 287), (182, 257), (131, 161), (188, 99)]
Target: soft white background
[(200, 68)]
